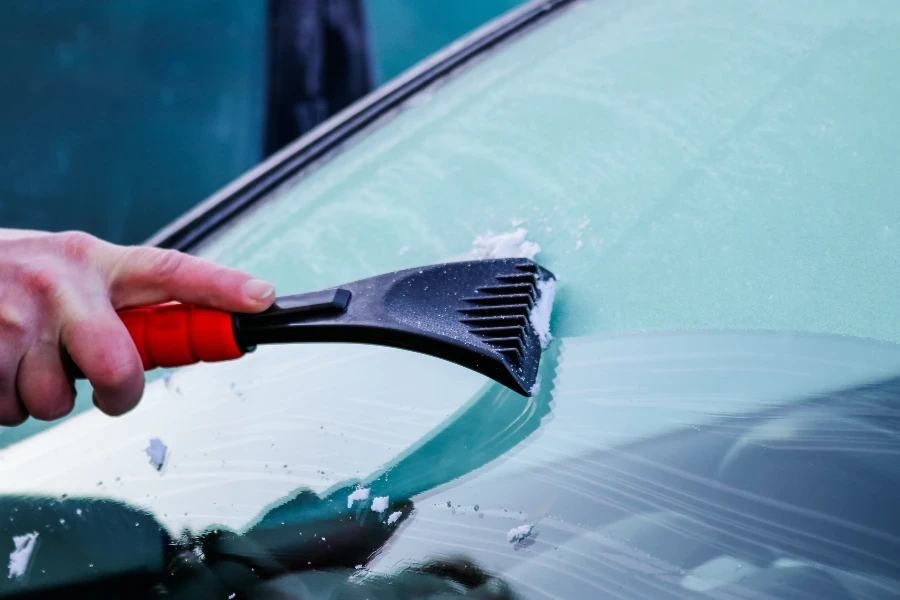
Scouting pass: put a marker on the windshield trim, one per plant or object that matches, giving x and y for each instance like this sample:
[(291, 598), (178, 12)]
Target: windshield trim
[(216, 211)]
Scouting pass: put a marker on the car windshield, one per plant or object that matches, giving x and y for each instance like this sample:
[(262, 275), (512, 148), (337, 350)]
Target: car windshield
[(716, 417)]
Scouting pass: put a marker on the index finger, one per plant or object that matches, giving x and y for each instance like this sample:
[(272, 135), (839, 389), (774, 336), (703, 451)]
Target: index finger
[(147, 275)]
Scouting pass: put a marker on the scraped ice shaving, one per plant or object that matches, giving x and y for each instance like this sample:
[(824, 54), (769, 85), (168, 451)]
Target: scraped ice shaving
[(395, 516), (157, 453), (519, 533), (23, 546), (504, 245), (380, 504), (360, 494), (540, 314)]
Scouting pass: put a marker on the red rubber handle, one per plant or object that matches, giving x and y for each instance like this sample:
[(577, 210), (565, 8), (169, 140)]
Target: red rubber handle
[(174, 335)]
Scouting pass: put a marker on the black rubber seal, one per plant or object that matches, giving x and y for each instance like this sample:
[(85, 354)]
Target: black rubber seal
[(193, 227)]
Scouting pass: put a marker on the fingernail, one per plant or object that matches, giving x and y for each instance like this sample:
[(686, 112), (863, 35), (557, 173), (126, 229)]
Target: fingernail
[(258, 290)]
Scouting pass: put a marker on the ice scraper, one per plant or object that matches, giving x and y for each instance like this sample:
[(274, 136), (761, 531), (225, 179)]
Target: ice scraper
[(477, 314)]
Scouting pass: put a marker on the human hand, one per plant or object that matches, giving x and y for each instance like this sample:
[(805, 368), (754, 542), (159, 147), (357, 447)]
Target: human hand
[(59, 294)]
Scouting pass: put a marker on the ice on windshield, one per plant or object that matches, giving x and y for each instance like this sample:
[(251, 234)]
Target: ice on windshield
[(21, 554), (157, 452), (380, 504), (357, 495), (542, 311), (519, 533), (513, 244)]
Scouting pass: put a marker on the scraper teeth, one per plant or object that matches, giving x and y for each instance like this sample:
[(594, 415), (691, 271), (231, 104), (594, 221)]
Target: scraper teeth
[(499, 332), (506, 343), (508, 299), (498, 313), (496, 321), (514, 356), (509, 288), (518, 278), (529, 267)]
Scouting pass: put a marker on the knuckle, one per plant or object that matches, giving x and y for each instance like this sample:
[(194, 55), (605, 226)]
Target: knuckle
[(114, 373), (76, 245), (165, 263), (40, 280), (13, 320)]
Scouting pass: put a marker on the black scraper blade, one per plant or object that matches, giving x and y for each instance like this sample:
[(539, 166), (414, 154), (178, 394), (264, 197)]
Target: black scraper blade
[(477, 314)]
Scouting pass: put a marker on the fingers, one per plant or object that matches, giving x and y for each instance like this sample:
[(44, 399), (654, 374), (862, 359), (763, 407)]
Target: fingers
[(143, 275), (100, 345), (65, 288), (44, 388), (17, 234), (12, 411), (13, 322)]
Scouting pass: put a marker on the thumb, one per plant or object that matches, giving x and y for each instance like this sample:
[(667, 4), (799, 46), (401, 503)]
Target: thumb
[(142, 275)]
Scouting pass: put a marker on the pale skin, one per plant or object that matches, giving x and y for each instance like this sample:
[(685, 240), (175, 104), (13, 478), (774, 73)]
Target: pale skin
[(59, 293)]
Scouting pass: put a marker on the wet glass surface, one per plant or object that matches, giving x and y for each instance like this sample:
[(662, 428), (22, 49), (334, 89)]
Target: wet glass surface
[(674, 465), (716, 418)]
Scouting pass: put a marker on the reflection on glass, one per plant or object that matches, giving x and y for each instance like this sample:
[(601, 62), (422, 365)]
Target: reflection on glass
[(658, 466)]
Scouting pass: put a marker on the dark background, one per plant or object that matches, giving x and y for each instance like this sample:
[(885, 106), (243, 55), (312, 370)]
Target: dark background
[(119, 115)]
